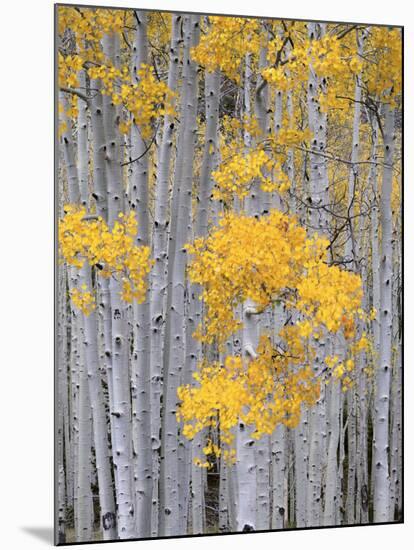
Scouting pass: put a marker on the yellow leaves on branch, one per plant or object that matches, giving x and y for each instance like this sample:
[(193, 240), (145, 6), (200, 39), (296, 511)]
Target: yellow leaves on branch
[(68, 69), (236, 175), (144, 97), (336, 62), (267, 260), (330, 58), (85, 27), (113, 252), (264, 392), (383, 69), (83, 299), (226, 43), (240, 169), (146, 100)]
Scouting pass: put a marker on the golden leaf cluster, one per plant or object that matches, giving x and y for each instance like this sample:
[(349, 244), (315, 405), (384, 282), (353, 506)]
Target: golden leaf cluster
[(112, 251)]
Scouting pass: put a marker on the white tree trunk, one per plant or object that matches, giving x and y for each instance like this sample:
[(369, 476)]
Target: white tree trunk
[(301, 469), (83, 500), (382, 510), (329, 517), (245, 445), (174, 334), (159, 272), (279, 470), (141, 419), (122, 437)]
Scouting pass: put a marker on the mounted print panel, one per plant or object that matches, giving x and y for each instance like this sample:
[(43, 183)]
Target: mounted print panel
[(229, 288)]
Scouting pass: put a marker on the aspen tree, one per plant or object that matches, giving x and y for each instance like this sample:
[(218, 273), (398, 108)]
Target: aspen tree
[(159, 272), (174, 334), (87, 335), (141, 319), (382, 510), (319, 185)]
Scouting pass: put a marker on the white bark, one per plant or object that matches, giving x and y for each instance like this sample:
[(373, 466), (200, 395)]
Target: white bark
[(301, 469), (245, 446), (174, 334), (61, 412), (141, 421), (159, 271), (279, 471), (83, 500), (318, 198), (82, 142), (193, 346), (69, 155), (98, 143), (102, 453), (382, 510), (122, 437), (352, 441), (350, 252), (329, 517)]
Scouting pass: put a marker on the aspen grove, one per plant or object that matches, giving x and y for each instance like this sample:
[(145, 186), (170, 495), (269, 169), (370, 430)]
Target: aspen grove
[(229, 274)]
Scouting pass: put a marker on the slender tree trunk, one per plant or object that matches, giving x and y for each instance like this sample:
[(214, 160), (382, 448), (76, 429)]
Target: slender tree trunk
[(122, 437), (245, 445), (159, 271), (279, 468), (62, 410), (383, 375), (301, 469), (101, 444), (141, 419), (174, 335), (84, 468), (319, 222)]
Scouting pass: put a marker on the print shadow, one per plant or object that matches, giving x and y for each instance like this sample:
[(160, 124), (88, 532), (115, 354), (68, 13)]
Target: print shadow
[(43, 533)]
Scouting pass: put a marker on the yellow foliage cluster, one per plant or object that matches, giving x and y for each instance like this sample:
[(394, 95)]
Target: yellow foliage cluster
[(83, 299), (114, 252), (226, 43), (383, 68), (262, 393), (327, 294), (264, 260), (146, 100), (333, 59), (236, 175), (159, 26), (290, 137), (239, 168), (341, 370), (89, 25), (267, 261), (68, 69)]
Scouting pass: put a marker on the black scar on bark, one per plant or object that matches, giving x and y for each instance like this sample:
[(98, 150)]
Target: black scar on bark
[(364, 498), (108, 520), (247, 528)]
